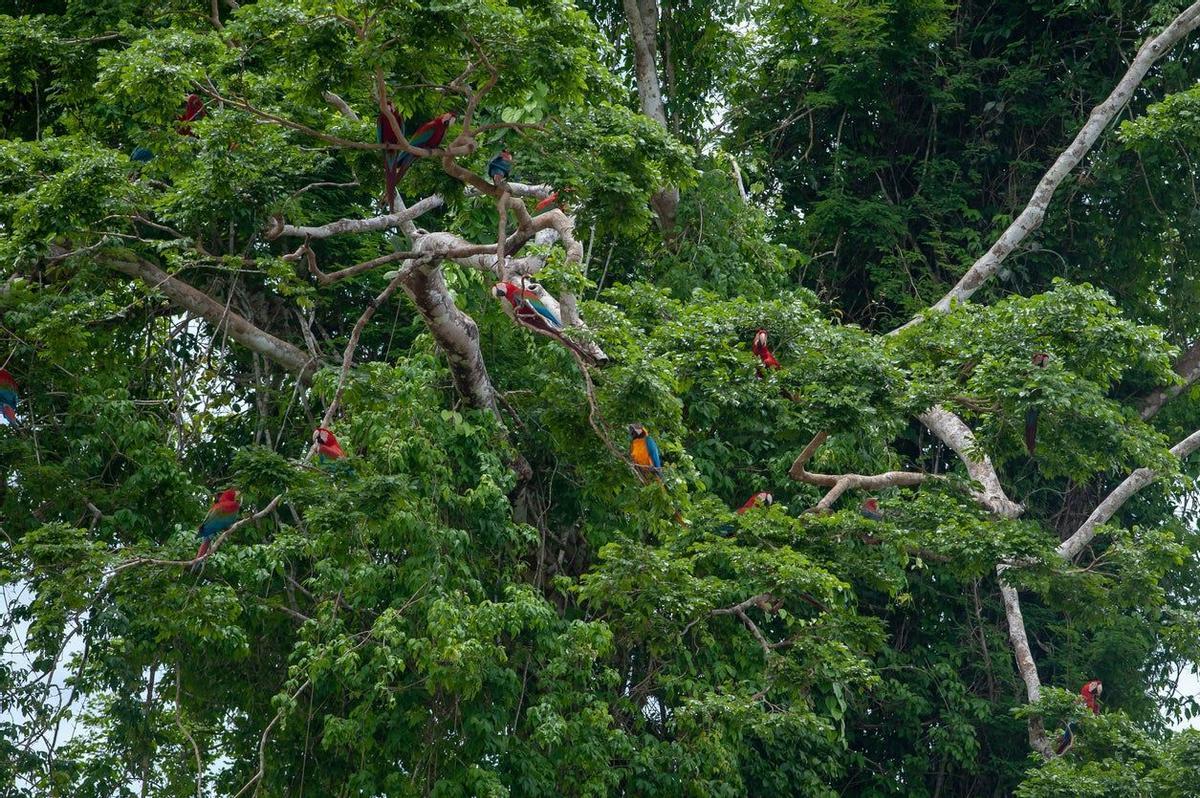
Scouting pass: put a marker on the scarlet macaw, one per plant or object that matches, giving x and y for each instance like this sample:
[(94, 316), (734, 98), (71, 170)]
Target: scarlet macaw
[(220, 517), (870, 509), (761, 499), (427, 136), (8, 397), (644, 451), (529, 307), (192, 111), (759, 347), (500, 167), (1031, 415), (328, 448), (1091, 693), (547, 202)]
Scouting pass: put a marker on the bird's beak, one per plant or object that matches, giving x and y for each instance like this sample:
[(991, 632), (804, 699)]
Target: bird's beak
[(498, 290), (633, 430)]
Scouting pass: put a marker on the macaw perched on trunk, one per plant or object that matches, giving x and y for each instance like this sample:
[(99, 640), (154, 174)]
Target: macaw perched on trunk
[(761, 499), (1066, 741), (192, 111), (221, 516), (759, 347), (870, 509), (8, 397), (385, 134), (535, 309), (328, 448), (428, 136), (1091, 695), (1031, 415), (499, 168)]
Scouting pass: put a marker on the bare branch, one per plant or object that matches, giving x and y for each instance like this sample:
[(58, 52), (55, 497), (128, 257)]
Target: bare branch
[(954, 432), (340, 104), (262, 742), (764, 601), (1024, 660), (239, 328), (1187, 367), (1070, 548), (373, 224), (840, 483), (1101, 116)]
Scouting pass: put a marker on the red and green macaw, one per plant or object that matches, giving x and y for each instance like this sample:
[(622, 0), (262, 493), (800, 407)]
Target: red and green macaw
[(328, 448), (499, 168), (528, 307), (760, 499), (1091, 695), (397, 162), (644, 451), (870, 509), (192, 111), (8, 397), (760, 348), (1040, 359), (221, 516)]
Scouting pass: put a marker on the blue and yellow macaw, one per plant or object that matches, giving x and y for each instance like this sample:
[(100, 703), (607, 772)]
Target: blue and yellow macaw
[(644, 451)]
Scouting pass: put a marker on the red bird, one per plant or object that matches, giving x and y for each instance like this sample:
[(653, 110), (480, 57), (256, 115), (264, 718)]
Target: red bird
[(220, 517), (870, 509), (547, 202), (1091, 694), (8, 397), (761, 499), (328, 448), (764, 353), (194, 110)]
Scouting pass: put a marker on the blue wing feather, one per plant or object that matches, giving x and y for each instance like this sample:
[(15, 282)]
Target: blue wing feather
[(652, 449), (535, 302)]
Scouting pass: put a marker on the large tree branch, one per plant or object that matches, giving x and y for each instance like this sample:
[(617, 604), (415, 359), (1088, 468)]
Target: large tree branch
[(373, 224), (840, 483), (1101, 116), (239, 328), (1024, 660), (1070, 548), (954, 432), (1187, 367)]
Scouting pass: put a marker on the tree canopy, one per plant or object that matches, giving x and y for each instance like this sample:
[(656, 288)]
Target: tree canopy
[(486, 596)]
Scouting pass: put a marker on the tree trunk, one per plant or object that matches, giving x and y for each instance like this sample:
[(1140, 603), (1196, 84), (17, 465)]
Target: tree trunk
[(642, 16)]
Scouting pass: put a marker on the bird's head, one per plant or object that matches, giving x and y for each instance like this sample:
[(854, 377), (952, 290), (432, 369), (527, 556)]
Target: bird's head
[(871, 504), (1096, 685), (229, 495), (447, 118), (506, 155), (324, 437), (766, 499), (760, 338), (501, 290), (1040, 359), (637, 431)]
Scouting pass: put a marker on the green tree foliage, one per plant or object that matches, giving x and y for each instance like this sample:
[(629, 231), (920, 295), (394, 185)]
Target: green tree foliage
[(488, 600)]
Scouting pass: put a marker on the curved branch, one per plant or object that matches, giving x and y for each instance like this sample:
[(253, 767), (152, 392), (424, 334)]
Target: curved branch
[(954, 432), (1070, 548), (1101, 116), (840, 483), (1187, 367)]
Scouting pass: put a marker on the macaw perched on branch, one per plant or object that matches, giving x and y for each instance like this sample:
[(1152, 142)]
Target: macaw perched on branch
[(531, 306), (499, 168), (221, 516), (760, 348), (8, 397), (644, 452), (328, 448), (761, 499), (870, 509), (192, 111), (1031, 415), (397, 162), (1091, 695), (1066, 741)]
